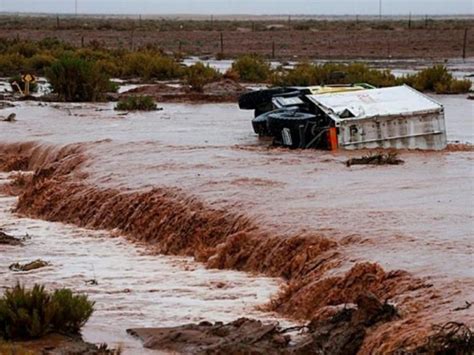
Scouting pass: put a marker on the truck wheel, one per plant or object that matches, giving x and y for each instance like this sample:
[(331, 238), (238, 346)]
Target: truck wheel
[(252, 100), (260, 125), (287, 128)]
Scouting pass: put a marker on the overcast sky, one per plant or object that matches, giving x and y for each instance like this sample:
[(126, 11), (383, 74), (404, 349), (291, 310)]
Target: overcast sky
[(317, 7)]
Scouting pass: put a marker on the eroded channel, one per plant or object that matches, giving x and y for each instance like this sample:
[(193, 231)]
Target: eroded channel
[(131, 286)]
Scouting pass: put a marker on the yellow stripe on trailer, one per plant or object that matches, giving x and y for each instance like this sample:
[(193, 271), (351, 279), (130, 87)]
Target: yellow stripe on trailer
[(319, 90)]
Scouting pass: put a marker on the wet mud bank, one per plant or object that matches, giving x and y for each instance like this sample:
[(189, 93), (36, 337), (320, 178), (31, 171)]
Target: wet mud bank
[(173, 222)]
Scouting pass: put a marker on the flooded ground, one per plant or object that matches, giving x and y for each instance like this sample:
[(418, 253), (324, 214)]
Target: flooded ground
[(416, 217), (134, 288)]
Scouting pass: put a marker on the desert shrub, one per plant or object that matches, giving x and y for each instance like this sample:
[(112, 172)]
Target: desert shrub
[(39, 62), (199, 75), (455, 86), (232, 75), (428, 78), (305, 74), (25, 48), (252, 68), (151, 66), (11, 64), (109, 67), (76, 79), (136, 103), (52, 43), (361, 73), (71, 311), (21, 84), (33, 313), (437, 79)]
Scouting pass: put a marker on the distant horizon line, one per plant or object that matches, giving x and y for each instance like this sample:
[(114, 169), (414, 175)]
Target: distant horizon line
[(230, 14)]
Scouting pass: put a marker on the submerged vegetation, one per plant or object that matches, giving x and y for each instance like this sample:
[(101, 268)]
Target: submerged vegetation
[(136, 103), (83, 74), (33, 313)]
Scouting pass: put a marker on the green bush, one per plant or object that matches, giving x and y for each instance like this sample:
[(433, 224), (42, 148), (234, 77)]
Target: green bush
[(78, 80), (151, 66), (136, 103), (303, 74), (11, 64), (27, 314), (436, 79), (199, 75), (252, 68), (39, 62), (306, 74)]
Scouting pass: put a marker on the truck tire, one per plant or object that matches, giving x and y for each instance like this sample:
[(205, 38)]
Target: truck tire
[(252, 100), (260, 125), (285, 127)]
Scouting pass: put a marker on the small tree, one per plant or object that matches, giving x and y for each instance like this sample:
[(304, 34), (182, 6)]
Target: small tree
[(78, 80)]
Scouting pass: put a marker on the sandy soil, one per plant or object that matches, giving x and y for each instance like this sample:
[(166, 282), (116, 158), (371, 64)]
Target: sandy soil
[(345, 43)]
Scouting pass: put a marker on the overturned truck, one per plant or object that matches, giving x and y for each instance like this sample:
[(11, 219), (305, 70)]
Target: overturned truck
[(347, 116)]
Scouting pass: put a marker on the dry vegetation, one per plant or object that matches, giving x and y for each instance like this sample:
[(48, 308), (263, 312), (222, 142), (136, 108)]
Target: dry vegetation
[(317, 38), (83, 74)]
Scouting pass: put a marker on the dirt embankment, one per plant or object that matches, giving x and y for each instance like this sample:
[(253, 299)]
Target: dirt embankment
[(221, 91), (175, 223)]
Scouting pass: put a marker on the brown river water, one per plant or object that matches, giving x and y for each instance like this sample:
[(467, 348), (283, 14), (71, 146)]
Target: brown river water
[(135, 288), (416, 217)]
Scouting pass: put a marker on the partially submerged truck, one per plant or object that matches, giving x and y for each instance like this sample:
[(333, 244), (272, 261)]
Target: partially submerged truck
[(347, 116)]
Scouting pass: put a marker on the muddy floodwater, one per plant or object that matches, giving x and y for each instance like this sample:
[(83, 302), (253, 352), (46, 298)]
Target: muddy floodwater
[(417, 217), (131, 287)]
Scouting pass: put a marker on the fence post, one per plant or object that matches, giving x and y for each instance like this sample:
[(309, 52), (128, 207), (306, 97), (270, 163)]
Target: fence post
[(57, 21), (409, 21), (222, 43), (464, 46), (82, 42)]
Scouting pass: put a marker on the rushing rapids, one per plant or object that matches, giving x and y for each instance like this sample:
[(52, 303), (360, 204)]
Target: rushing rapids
[(172, 222), (191, 180)]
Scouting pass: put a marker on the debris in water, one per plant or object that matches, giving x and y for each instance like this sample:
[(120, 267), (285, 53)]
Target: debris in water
[(6, 239), (92, 282), (341, 334), (467, 305), (10, 118), (376, 159), (450, 338), (37, 264)]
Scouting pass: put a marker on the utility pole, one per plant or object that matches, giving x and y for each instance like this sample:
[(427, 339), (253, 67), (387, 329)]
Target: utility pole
[(380, 9), (75, 7)]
